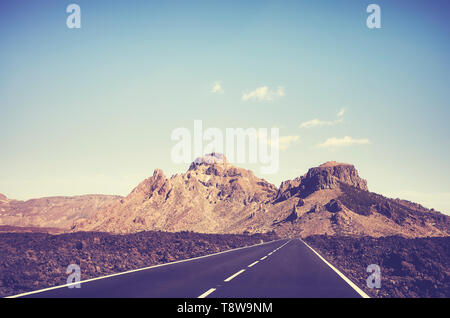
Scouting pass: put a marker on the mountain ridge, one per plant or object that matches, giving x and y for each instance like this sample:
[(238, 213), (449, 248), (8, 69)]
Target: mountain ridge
[(53, 212), (214, 196)]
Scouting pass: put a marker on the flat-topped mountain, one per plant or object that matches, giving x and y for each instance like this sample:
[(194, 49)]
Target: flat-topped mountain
[(333, 199), (329, 175), (214, 196), (333, 164)]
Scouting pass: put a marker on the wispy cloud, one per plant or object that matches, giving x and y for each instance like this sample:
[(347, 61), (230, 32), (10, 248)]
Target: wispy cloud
[(284, 142), (316, 123), (263, 93), (343, 142), (217, 88), (319, 123)]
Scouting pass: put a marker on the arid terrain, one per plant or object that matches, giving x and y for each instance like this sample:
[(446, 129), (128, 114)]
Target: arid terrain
[(330, 205), (217, 197), (52, 212), (417, 267), (214, 196), (32, 261)]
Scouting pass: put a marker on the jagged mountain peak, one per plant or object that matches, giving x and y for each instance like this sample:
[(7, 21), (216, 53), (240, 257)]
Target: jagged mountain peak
[(207, 163), (149, 185), (215, 165), (3, 197), (215, 196), (333, 164), (211, 196), (211, 158)]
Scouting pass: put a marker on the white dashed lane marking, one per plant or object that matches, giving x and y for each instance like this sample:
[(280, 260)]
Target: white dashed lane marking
[(252, 264), (205, 294), (234, 275)]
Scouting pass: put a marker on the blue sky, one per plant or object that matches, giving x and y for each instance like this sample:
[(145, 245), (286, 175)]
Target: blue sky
[(92, 110)]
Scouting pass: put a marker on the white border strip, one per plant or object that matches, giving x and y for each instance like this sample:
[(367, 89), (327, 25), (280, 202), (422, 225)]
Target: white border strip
[(135, 270), (348, 281)]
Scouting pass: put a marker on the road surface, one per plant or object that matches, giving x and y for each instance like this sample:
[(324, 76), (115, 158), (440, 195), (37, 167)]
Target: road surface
[(283, 268)]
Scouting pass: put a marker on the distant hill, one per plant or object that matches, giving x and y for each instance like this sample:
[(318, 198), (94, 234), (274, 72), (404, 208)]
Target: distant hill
[(52, 212)]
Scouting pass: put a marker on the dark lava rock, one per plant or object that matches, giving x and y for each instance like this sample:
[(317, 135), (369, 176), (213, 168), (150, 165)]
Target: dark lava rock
[(334, 206), (32, 261), (409, 267), (366, 203)]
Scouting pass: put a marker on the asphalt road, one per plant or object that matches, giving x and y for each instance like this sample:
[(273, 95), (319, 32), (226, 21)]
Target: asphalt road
[(284, 268)]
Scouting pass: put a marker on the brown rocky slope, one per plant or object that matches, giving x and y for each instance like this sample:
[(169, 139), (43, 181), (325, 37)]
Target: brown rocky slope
[(58, 213), (214, 196), (211, 197)]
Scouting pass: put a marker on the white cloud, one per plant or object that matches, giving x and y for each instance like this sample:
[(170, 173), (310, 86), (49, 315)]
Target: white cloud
[(263, 93), (320, 123), (316, 123), (284, 142), (217, 88), (343, 142), (280, 91), (341, 113)]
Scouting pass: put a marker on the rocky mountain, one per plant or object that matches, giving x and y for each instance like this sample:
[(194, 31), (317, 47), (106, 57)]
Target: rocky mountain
[(3, 198), (332, 199), (329, 175), (214, 196), (56, 213)]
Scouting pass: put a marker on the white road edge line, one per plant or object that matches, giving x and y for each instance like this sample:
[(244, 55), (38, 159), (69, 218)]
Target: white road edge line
[(234, 275), (253, 264), (135, 270), (348, 281), (207, 293), (263, 258)]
